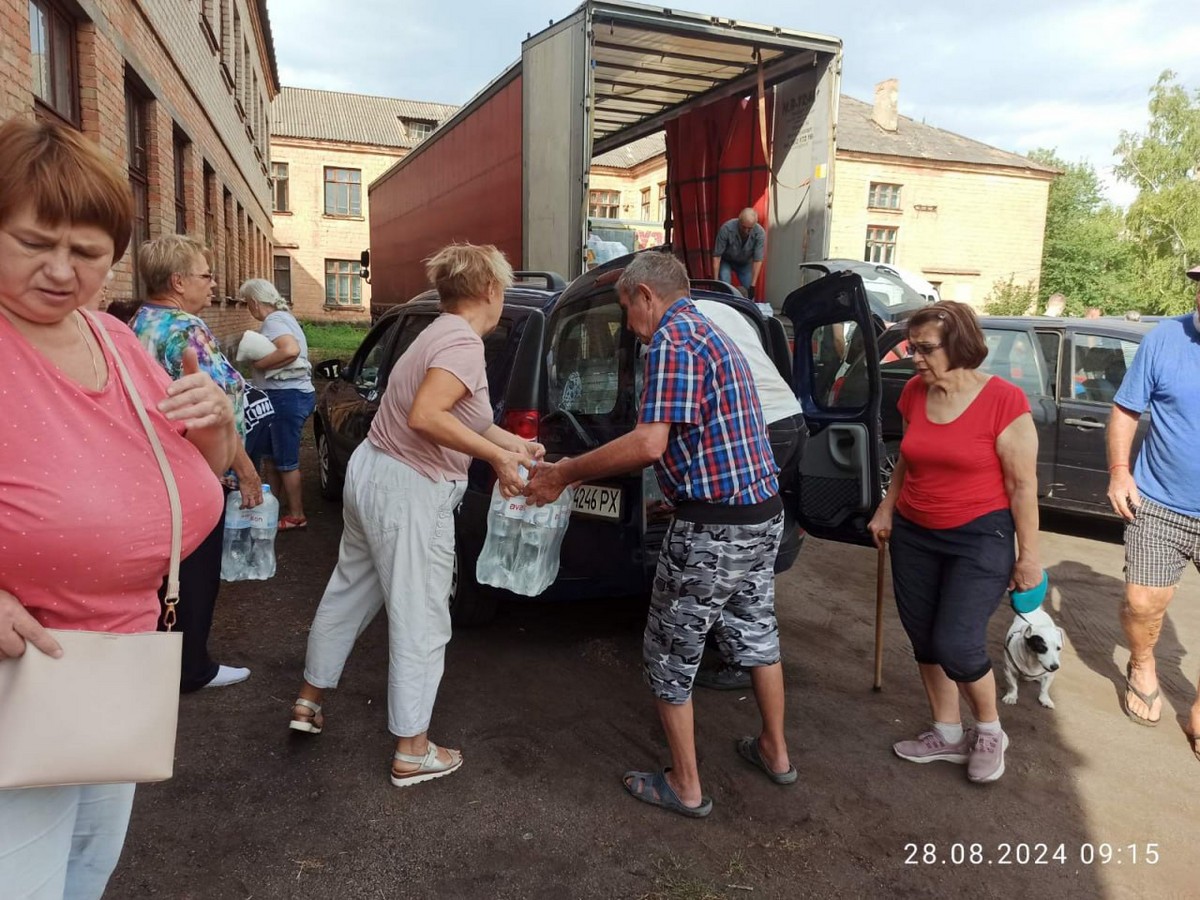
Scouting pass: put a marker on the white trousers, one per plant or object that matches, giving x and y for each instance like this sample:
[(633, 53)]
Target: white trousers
[(61, 843), (397, 552)]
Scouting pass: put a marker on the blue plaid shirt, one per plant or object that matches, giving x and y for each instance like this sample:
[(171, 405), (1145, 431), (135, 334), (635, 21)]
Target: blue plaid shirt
[(699, 382)]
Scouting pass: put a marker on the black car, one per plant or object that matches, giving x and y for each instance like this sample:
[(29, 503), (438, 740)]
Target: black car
[(1070, 369), (562, 369)]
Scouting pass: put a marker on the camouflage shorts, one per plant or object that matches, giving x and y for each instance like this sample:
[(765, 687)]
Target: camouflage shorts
[(718, 577)]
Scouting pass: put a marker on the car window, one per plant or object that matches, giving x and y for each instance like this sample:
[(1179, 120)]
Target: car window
[(1051, 343), (1098, 366), (369, 358), (498, 353), (1013, 356), (583, 374), (839, 371), (413, 326)]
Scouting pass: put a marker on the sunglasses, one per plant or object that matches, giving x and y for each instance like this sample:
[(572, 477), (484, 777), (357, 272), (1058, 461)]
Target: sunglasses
[(923, 349)]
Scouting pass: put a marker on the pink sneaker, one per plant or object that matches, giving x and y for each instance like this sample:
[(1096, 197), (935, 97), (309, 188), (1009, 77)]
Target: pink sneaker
[(930, 746), (987, 757)]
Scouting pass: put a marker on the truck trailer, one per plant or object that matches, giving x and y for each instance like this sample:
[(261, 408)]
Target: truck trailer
[(749, 113)]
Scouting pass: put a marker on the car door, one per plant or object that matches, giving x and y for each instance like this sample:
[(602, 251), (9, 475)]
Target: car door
[(839, 485), (1097, 366)]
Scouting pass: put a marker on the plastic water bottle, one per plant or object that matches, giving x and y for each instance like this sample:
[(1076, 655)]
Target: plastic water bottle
[(528, 568), (264, 522), (495, 563), (235, 546)]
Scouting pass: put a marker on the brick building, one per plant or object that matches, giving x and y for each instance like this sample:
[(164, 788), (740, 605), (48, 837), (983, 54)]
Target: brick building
[(326, 147), (962, 214), (179, 93)]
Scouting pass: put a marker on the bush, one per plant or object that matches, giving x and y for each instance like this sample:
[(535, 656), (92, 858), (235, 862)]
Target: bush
[(1007, 298)]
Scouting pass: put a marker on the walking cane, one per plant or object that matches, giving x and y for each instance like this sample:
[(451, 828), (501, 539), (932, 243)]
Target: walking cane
[(879, 616)]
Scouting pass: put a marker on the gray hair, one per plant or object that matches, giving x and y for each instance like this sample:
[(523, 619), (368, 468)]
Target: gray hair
[(262, 292), (661, 272)]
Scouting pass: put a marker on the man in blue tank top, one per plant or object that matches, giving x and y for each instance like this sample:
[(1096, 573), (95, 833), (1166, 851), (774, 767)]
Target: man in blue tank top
[(1159, 498)]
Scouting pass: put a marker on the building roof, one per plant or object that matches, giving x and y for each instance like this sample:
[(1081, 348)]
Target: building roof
[(858, 133), (350, 118), (634, 153)]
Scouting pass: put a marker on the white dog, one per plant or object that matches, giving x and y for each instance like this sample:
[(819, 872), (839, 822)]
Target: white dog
[(1032, 650)]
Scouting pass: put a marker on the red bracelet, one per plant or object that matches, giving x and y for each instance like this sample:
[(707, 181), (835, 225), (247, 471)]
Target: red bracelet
[(1118, 466)]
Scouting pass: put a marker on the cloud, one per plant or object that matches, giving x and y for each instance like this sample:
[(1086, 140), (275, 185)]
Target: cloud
[(1069, 75)]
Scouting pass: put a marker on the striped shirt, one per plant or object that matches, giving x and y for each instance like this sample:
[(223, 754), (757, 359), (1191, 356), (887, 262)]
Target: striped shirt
[(699, 382)]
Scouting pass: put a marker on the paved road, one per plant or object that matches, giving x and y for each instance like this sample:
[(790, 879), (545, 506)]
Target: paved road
[(549, 708)]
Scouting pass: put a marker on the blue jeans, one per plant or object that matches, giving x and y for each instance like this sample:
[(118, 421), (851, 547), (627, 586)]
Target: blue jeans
[(292, 409), (742, 270), (62, 843)]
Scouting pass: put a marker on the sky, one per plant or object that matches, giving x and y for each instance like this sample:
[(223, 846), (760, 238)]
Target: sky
[(1069, 75)]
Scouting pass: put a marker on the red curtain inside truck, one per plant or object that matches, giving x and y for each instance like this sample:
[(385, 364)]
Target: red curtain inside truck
[(716, 167)]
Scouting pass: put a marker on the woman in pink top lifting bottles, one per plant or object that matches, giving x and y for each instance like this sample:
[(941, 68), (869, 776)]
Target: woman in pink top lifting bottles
[(76, 469), (403, 484)]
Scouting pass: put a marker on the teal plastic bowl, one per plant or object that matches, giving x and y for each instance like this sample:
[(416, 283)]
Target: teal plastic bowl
[(1028, 601)]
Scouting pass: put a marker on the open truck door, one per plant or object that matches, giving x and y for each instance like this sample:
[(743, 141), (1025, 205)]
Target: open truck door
[(835, 375)]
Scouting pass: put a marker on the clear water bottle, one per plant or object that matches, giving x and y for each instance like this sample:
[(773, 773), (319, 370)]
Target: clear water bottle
[(264, 523), (528, 565), (495, 563), (235, 545)]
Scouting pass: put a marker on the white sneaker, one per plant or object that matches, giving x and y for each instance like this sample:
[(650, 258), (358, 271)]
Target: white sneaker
[(227, 675)]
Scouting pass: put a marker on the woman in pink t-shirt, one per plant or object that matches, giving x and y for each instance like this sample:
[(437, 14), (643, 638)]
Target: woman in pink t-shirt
[(85, 525), (402, 486)]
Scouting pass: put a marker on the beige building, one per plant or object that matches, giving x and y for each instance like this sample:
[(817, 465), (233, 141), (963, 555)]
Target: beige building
[(326, 147), (178, 93), (959, 213)]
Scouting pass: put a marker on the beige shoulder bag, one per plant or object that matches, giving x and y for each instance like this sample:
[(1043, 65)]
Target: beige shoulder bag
[(105, 712)]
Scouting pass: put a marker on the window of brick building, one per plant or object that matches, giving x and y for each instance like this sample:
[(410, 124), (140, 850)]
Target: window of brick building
[(662, 201), (418, 129), (53, 56), (210, 202), (229, 41), (881, 244), (645, 204), (279, 174), (343, 287), (137, 126), (604, 204), (182, 148), (883, 196), (230, 243), (343, 192), (210, 22), (283, 276)]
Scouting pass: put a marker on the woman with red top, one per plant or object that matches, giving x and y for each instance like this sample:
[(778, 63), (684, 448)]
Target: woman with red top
[(965, 485), (77, 469)]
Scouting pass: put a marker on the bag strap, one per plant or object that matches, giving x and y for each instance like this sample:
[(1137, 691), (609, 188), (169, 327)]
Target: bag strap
[(168, 475)]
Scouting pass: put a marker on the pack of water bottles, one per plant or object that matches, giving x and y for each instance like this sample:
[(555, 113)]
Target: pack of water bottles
[(248, 549), (523, 540)]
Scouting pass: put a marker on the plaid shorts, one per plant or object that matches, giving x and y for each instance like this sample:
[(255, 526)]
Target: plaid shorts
[(719, 577), (1159, 542)]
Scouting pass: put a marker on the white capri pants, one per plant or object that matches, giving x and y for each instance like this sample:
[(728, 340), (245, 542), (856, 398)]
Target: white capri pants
[(397, 550), (61, 843)]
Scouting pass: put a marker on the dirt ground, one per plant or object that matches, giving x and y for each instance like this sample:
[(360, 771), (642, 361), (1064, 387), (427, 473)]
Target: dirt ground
[(550, 709)]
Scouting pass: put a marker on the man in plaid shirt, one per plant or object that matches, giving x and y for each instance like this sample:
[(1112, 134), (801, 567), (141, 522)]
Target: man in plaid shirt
[(701, 427)]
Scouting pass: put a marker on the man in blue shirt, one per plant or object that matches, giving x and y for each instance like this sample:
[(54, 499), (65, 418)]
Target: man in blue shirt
[(1159, 498), (739, 250)]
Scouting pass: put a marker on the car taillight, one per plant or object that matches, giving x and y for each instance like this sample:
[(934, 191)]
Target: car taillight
[(521, 422)]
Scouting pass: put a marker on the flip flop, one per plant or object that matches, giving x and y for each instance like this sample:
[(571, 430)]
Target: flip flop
[(748, 750), (653, 788), (1148, 699), (292, 523)]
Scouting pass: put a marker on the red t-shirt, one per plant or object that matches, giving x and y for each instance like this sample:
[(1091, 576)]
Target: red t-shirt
[(952, 472)]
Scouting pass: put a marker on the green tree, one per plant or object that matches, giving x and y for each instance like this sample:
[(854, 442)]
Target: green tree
[(1163, 223), (1084, 257)]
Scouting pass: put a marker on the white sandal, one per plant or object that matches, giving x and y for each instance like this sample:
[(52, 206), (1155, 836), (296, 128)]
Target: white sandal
[(305, 723), (430, 766)]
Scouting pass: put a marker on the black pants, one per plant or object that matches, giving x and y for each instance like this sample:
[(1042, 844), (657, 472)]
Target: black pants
[(948, 582), (199, 582), (788, 437)]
